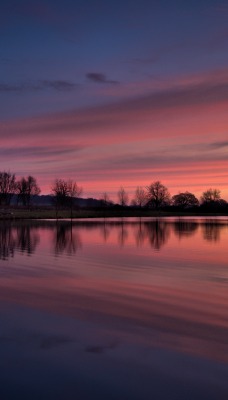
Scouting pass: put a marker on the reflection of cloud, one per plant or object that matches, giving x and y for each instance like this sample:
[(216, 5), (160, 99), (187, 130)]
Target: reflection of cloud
[(49, 342), (97, 349)]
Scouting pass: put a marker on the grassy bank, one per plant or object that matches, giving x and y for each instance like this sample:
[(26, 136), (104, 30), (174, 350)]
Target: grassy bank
[(49, 213)]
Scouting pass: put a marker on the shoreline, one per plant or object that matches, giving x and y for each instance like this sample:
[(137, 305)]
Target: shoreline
[(83, 213)]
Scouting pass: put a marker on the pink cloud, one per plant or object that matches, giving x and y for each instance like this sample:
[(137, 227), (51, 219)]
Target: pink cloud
[(182, 129)]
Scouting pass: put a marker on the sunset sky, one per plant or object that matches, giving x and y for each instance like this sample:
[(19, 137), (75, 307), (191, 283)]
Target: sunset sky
[(115, 93)]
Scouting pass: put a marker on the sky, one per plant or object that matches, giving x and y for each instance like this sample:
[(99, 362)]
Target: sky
[(115, 93)]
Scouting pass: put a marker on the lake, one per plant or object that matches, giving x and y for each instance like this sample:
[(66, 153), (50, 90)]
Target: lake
[(114, 309)]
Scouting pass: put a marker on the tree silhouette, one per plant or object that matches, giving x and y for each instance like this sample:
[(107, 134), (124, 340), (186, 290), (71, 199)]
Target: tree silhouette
[(140, 197), (105, 200), (7, 187), (25, 188), (64, 193), (158, 195), (122, 196), (185, 200), (73, 192), (210, 195)]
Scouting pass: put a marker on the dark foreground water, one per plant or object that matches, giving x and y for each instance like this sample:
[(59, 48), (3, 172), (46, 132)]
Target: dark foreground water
[(134, 309)]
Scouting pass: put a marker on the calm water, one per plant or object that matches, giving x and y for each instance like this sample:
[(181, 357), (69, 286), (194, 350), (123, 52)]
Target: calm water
[(122, 309)]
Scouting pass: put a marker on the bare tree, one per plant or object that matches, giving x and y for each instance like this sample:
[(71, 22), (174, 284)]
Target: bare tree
[(105, 199), (185, 200), (7, 187), (158, 195), (59, 191), (140, 198), (73, 192), (122, 196), (210, 195), (64, 193), (25, 188)]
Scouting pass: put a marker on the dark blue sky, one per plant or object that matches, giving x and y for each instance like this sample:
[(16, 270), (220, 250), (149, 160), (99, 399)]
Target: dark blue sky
[(55, 54)]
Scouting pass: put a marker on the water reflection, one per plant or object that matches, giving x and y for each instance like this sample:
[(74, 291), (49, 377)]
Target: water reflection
[(27, 239), (24, 238), (66, 240), (211, 232), (185, 228), (105, 231), (7, 242), (122, 233), (67, 237), (101, 303)]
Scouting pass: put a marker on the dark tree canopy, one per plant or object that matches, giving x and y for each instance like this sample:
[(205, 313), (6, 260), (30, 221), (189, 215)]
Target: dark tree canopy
[(185, 200), (158, 195)]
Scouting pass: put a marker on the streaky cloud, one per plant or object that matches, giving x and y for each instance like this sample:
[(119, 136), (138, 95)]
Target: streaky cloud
[(218, 145), (24, 87)]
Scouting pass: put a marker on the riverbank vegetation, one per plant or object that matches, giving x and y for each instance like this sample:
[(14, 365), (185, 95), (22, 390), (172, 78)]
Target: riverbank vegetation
[(20, 199)]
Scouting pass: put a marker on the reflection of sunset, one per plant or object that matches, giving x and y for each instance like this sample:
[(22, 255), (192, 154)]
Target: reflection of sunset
[(178, 302)]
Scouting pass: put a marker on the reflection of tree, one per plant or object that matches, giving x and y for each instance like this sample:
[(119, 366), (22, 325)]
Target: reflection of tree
[(105, 231), (122, 234), (23, 238), (66, 240), (185, 228), (140, 233), (211, 231), (157, 233), (27, 239), (7, 242)]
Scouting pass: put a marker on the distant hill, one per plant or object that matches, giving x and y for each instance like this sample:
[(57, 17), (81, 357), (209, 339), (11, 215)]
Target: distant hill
[(47, 200)]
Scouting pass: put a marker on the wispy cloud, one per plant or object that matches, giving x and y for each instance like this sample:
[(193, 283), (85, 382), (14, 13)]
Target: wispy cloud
[(39, 151), (123, 142), (218, 145), (58, 85), (99, 77)]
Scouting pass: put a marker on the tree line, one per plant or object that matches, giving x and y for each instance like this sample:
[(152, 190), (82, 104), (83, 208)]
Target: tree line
[(24, 188), (64, 193), (157, 196)]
